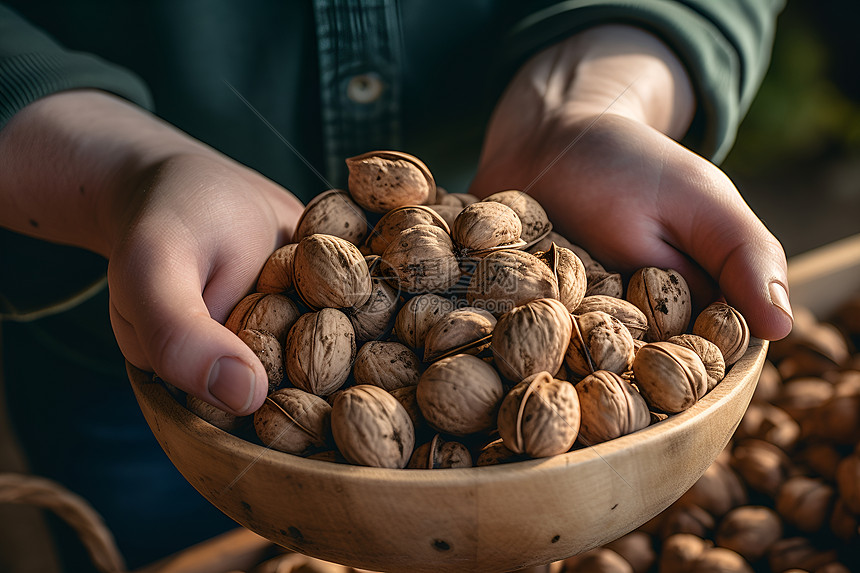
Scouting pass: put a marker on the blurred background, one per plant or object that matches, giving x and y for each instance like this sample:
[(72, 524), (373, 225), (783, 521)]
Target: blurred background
[(797, 156)]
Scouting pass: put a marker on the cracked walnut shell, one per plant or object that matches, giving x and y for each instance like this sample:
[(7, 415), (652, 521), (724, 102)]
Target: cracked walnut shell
[(540, 416), (671, 378), (371, 428), (381, 181)]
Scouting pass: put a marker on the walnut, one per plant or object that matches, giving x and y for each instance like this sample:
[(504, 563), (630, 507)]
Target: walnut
[(332, 213), (531, 338), (663, 295), (686, 518), (407, 396), (569, 274), (606, 283), (397, 220), (375, 318), (447, 212), (805, 503), (294, 421), (439, 453), (505, 279), (848, 481), (599, 341), (417, 317), (458, 200), (750, 531), (460, 395), (330, 272), (214, 415), (371, 428), (495, 453), (273, 313), (680, 551), (720, 560), (540, 416), (277, 274), (838, 419), (269, 351), (769, 423), (671, 378), (611, 408), (422, 258), (710, 353), (598, 560), (717, 491), (725, 327), (535, 223), (388, 365), (624, 310), (763, 466), (798, 553), (466, 330), (320, 350), (381, 181), (636, 549), (484, 227), (591, 266)]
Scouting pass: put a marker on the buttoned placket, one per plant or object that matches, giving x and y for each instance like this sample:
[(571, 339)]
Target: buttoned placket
[(360, 53)]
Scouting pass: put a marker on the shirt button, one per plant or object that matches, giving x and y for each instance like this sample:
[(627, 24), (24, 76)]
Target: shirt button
[(365, 88)]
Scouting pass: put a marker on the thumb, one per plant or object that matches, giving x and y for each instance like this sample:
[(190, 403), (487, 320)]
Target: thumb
[(176, 338), (747, 261)]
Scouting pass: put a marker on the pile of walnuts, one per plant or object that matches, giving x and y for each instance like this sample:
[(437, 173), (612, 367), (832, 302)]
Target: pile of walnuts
[(410, 327)]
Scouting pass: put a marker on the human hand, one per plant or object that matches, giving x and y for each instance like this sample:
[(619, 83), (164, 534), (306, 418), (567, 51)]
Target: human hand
[(593, 145), (185, 230)]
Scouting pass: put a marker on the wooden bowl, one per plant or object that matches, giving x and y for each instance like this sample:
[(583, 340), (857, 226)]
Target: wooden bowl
[(497, 518)]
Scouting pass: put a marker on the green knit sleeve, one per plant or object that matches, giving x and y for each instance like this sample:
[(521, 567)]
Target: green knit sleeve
[(725, 46), (32, 66)]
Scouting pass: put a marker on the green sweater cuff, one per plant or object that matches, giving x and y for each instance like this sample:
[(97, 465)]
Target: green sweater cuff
[(726, 51), (33, 66)]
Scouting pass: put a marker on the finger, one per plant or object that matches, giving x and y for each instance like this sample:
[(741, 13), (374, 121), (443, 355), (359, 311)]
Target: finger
[(176, 338), (735, 248)]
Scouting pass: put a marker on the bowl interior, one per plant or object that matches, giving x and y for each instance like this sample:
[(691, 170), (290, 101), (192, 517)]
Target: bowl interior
[(498, 518)]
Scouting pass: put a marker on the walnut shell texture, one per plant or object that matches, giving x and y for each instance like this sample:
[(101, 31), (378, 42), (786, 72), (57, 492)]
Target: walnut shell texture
[(460, 395), (269, 351), (371, 428), (320, 350), (535, 223), (277, 273), (423, 260), (464, 330), (726, 327), (418, 315), (611, 407), (388, 365), (293, 421), (330, 272), (274, 313), (569, 273), (215, 415), (332, 212), (439, 453), (484, 226), (506, 279), (664, 297), (373, 319), (671, 377), (381, 181), (393, 222), (599, 341), (624, 310), (540, 416), (531, 338), (710, 353)]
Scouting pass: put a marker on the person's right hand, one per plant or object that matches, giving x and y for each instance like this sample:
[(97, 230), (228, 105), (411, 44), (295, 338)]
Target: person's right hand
[(185, 229)]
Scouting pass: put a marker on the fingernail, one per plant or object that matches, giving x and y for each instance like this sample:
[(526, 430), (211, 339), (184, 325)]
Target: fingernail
[(779, 298), (232, 382)]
